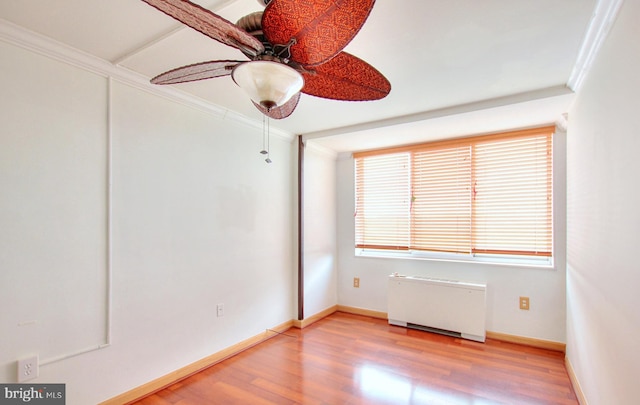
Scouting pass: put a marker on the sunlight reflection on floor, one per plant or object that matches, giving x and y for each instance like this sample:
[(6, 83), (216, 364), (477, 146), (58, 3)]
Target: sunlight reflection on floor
[(382, 386)]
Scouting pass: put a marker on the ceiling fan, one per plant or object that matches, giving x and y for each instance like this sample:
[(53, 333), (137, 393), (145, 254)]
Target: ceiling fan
[(293, 46)]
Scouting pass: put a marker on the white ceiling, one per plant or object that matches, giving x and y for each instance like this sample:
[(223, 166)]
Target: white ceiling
[(455, 67)]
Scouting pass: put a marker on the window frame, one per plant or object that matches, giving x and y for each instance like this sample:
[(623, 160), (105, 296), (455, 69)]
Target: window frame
[(498, 257)]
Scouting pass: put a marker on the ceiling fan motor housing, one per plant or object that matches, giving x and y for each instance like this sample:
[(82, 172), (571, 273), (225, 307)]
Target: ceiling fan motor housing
[(252, 23), (293, 47)]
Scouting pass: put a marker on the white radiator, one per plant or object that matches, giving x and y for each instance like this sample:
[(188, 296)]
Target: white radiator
[(444, 306)]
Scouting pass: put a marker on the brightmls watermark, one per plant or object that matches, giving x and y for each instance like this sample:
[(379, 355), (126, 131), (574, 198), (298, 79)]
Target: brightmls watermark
[(37, 394)]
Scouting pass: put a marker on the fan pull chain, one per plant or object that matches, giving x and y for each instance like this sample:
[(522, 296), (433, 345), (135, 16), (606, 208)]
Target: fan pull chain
[(264, 150), (266, 138), (268, 159)]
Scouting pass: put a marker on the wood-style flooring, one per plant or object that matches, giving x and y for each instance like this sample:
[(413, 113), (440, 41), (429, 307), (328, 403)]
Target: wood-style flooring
[(352, 359)]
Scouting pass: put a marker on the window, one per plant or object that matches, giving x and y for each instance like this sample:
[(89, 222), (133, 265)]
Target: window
[(480, 196)]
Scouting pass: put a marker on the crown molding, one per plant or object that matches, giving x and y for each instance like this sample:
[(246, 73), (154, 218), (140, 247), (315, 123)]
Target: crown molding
[(320, 150), (562, 123), (344, 156), (604, 16), (45, 46), (549, 92)]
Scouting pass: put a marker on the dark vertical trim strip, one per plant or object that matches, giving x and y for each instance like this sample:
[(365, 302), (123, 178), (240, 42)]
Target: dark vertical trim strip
[(300, 228)]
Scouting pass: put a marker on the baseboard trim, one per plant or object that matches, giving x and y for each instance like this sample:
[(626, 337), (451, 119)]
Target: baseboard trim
[(162, 382), (315, 318), (193, 368), (577, 388), (526, 341), (362, 311), (338, 308)]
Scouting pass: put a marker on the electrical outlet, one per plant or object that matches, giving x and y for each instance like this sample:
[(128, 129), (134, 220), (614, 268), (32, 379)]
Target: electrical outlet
[(356, 282), (28, 369), (220, 310), (524, 303)]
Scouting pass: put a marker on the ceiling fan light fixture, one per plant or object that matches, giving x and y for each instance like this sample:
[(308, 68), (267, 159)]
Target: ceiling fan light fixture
[(268, 83)]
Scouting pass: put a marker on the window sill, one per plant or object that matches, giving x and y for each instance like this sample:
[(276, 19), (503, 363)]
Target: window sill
[(521, 262)]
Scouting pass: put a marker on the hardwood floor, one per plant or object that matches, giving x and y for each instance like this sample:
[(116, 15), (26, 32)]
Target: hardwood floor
[(352, 359)]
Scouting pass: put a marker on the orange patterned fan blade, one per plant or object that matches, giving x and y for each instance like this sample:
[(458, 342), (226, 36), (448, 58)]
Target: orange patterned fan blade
[(347, 78), (198, 71), (209, 23), (285, 110), (320, 28)]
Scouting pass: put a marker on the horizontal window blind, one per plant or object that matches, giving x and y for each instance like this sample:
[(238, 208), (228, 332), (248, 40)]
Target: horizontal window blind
[(441, 203), (383, 202), (512, 196), (480, 195)]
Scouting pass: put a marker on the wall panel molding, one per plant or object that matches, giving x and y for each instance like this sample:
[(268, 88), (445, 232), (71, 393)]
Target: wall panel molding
[(40, 44)]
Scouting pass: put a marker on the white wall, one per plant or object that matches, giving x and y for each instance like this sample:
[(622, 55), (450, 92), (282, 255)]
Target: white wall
[(320, 268), (545, 287), (198, 218), (603, 220), (53, 207)]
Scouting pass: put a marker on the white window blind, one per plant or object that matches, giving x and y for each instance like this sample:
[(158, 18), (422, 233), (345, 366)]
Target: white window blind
[(479, 195)]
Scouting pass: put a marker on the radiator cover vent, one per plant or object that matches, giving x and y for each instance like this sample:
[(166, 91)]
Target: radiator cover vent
[(450, 307)]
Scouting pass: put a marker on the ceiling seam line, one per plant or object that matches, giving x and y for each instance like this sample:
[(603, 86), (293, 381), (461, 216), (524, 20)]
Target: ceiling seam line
[(129, 54)]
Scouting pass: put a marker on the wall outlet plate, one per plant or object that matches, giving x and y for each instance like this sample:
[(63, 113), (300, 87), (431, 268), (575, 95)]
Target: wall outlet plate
[(524, 303), (28, 368)]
